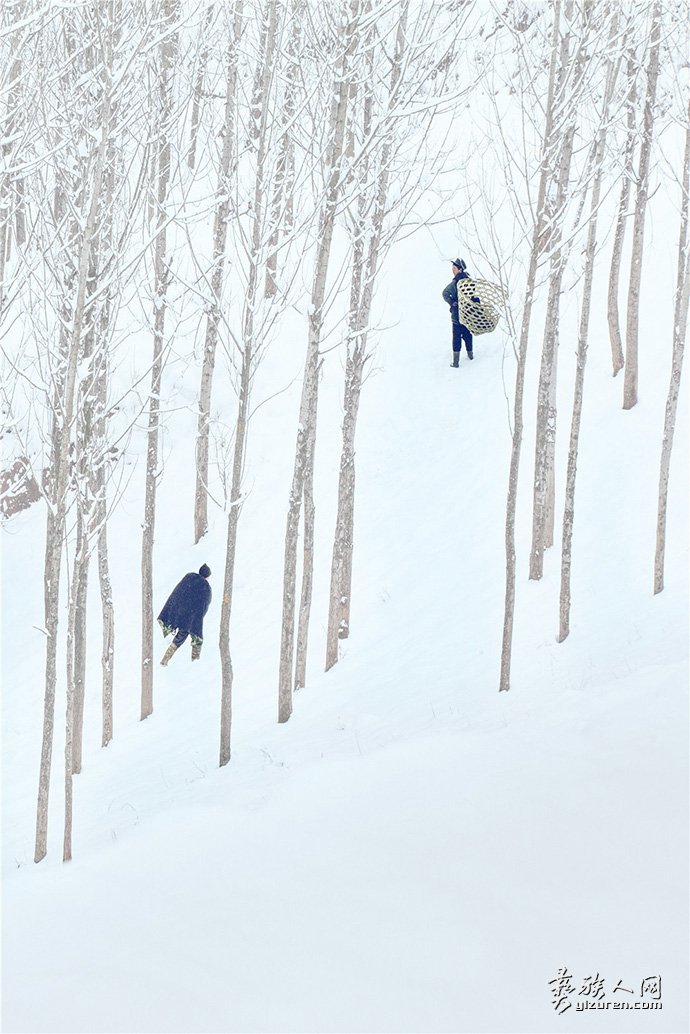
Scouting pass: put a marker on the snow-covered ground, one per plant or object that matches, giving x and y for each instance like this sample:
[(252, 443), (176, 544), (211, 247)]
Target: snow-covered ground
[(412, 851)]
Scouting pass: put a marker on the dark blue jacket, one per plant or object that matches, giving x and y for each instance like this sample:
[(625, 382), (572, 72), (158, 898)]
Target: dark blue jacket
[(450, 295), (187, 604)]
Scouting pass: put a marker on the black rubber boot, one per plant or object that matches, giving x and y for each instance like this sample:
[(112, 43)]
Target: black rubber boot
[(456, 359)]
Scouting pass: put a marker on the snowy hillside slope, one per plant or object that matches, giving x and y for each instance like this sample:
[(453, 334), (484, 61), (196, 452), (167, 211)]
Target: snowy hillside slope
[(412, 851)]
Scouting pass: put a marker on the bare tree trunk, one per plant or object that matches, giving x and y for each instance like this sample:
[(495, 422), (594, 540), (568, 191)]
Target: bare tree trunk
[(199, 88), (537, 245), (10, 184), (54, 534), (343, 544), (77, 611), (83, 453), (80, 583), (249, 347), (582, 345), (369, 224), (680, 324), (230, 556), (81, 241), (69, 729), (338, 611), (282, 204), (56, 517), (642, 195), (257, 94), (309, 389), (108, 649), (220, 233), (617, 357), (309, 401), (99, 493), (365, 259), (98, 475), (5, 214), (550, 477), (4, 221), (168, 49), (55, 525), (152, 178), (307, 566), (544, 461), (338, 624), (98, 516), (19, 214), (228, 583)]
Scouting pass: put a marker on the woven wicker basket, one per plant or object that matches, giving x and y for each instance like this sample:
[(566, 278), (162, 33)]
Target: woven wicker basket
[(478, 305)]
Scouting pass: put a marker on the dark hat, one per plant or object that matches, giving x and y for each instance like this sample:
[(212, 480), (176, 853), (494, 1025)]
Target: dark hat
[(205, 571), (459, 263)]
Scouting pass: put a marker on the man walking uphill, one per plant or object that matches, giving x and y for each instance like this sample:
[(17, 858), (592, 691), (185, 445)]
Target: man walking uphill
[(450, 295), (184, 612)]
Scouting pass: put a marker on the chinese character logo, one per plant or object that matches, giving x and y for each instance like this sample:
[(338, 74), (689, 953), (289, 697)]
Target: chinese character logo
[(593, 994), (561, 987)]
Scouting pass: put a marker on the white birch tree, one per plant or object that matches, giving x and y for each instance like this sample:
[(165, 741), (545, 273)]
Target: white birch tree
[(15, 125), (583, 335), (117, 35), (390, 177), (346, 33), (627, 174), (680, 326), (536, 248), (254, 327), (282, 204), (574, 59), (79, 174), (641, 199), (199, 80), (220, 234), (159, 191)]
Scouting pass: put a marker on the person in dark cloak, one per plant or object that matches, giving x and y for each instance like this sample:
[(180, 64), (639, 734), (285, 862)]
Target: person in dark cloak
[(184, 612), (450, 295)]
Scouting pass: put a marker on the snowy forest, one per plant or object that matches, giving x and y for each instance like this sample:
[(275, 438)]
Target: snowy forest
[(429, 770)]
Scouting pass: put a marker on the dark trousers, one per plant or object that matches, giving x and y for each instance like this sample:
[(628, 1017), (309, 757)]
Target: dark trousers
[(460, 334), (180, 637)]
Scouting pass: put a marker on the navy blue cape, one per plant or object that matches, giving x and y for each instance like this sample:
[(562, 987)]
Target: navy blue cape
[(187, 604)]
